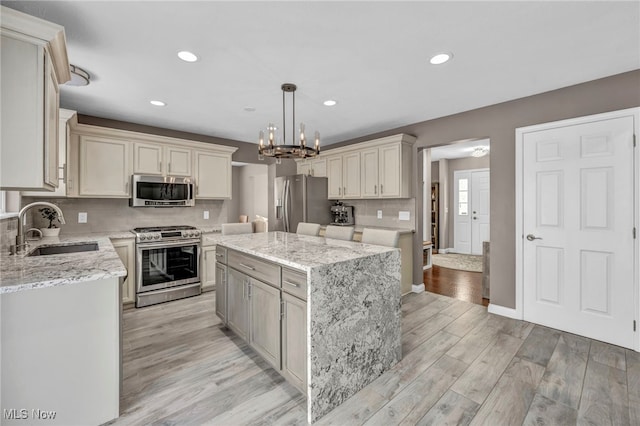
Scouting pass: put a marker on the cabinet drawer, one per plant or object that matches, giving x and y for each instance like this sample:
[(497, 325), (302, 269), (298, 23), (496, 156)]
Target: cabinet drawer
[(295, 283), (264, 271), (221, 255)]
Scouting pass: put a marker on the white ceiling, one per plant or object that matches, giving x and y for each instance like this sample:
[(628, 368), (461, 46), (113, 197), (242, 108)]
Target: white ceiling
[(372, 57), (462, 149)]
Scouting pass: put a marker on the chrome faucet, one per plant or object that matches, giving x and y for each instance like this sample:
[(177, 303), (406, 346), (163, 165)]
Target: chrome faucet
[(21, 244)]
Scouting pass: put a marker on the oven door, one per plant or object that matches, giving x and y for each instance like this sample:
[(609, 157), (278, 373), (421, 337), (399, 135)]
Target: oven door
[(167, 264)]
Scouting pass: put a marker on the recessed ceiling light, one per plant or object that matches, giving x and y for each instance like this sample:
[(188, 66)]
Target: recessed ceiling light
[(330, 102), (187, 56), (249, 109), (158, 103), (441, 58)]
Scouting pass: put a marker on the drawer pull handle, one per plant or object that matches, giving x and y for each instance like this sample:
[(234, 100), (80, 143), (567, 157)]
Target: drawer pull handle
[(248, 267), (219, 255), (290, 283)]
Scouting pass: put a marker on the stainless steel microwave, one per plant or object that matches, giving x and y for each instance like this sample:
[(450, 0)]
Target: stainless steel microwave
[(161, 191)]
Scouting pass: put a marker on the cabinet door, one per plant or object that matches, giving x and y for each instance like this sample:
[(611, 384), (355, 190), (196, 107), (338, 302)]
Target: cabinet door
[(213, 175), (304, 168), (319, 168), (221, 292), (178, 161), (264, 317), (369, 173), (51, 122), (105, 167), (147, 158), (390, 173), (294, 341), (237, 310), (208, 275), (126, 252), (334, 175), (351, 175)]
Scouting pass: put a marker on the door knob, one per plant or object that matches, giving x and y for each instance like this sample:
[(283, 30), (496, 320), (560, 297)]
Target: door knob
[(532, 237), (475, 218)]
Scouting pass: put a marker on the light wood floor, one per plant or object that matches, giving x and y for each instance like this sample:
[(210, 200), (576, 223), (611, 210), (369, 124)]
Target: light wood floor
[(460, 365)]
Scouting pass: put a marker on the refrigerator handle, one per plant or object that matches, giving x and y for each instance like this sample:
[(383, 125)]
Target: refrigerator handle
[(286, 205)]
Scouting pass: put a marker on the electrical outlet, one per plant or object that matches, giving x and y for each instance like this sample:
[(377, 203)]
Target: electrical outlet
[(206, 214), (379, 214), (82, 217), (403, 215)]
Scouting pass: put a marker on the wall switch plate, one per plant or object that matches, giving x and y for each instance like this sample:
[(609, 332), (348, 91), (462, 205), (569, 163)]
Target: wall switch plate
[(206, 214), (379, 214), (82, 217), (404, 215)]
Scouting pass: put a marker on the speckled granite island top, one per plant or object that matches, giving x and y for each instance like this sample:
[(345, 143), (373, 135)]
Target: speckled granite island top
[(19, 273), (353, 309)]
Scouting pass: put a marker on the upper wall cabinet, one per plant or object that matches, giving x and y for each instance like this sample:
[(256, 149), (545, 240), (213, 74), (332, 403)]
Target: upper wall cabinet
[(379, 168), (316, 167), (33, 63), (164, 160), (102, 160)]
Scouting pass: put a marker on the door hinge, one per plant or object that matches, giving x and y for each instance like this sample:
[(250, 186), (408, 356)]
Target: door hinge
[(634, 233), (634, 325), (281, 309), (634, 140)]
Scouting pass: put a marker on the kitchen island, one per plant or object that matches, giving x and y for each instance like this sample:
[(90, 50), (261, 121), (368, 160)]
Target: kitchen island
[(350, 296), (60, 334)]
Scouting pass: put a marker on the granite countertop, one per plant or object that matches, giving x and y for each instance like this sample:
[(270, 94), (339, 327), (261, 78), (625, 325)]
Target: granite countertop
[(299, 251), (359, 228), (20, 272)]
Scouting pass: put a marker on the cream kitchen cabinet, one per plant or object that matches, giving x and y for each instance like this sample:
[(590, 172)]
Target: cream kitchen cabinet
[(351, 175), (334, 175), (33, 63), (126, 251), (164, 160), (208, 270), (369, 173), (104, 167), (213, 175), (316, 167)]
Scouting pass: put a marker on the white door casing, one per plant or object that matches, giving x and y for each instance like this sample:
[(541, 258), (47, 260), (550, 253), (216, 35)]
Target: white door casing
[(576, 202)]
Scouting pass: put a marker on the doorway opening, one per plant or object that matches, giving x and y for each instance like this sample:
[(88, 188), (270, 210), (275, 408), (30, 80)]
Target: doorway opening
[(456, 220)]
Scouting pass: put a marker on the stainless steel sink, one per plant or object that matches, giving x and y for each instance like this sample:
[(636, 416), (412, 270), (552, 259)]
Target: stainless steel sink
[(61, 249)]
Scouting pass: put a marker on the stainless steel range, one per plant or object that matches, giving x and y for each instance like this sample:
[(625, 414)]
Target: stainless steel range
[(168, 262)]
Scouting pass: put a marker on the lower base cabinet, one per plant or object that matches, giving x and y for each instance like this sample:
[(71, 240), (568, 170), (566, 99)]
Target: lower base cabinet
[(264, 320), (126, 249), (294, 341), (237, 305), (208, 268), (221, 292)]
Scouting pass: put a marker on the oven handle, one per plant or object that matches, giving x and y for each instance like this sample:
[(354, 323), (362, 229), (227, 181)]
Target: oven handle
[(162, 244)]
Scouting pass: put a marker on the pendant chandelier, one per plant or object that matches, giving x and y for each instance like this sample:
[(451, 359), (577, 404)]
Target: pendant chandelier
[(293, 150)]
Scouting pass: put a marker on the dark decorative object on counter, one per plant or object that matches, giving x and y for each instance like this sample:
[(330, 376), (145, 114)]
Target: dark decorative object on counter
[(50, 215)]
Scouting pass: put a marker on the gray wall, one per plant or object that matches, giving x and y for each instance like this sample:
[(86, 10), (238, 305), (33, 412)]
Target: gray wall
[(499, 122), (252, 191)]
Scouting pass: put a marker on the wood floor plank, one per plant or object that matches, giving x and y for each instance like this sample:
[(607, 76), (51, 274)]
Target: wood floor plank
[(545, 412), (368, 401), (509, 401), (421, 316), (607, 354), (476, 383), (604, 396), (468, 321), (633, 385), (539, 345), (474, 343), (413, 402), (414, 301), (457, 308), (451, 409), (424, 331), (564, 376), (510, 326)]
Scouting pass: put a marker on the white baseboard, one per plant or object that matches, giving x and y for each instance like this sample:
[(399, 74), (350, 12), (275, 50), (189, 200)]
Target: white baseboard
[(446, 250), (502, 311), (417, 288), (425, 267)]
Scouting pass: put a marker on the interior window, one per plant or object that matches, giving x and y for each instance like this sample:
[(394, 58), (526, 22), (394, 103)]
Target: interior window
[(463, 197)]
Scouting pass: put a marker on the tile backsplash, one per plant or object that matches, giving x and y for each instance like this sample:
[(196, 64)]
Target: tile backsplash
[(105, 215), (8, 231), (365, 212)]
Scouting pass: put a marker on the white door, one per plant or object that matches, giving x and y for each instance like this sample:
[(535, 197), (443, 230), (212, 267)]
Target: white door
[(480, 196), (461, 218), (471, 210), (577, 225)]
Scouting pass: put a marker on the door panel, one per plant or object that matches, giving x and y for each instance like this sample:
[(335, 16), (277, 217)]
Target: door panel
[(264, 335), (237, 310), (461, 217), (578, 199), (480, 197)]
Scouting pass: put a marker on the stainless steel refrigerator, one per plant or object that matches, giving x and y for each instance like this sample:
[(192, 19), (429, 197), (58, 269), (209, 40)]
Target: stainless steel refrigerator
[(300, 198)]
